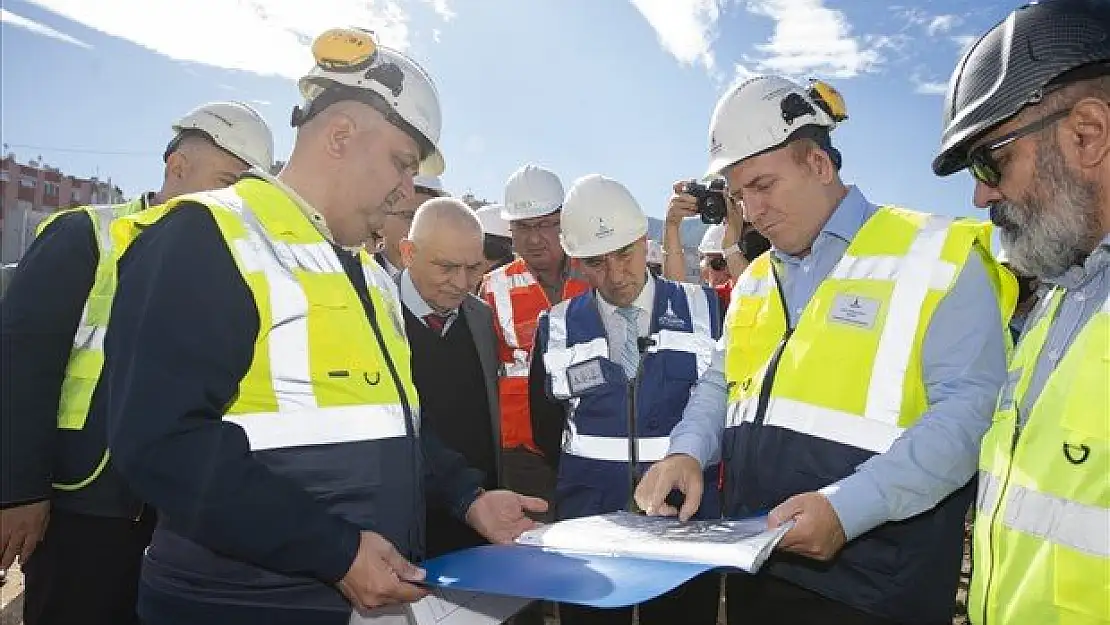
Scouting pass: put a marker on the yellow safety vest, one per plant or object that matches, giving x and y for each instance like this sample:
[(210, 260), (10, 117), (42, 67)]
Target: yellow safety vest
[(1042, 532), (86, 359), (851, 370), (321, 371)]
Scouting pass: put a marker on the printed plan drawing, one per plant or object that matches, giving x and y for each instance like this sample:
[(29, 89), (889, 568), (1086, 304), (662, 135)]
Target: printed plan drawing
[(458, 607), (446, 607), (741, 543)]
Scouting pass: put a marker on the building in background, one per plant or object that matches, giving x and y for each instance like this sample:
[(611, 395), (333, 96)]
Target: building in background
[(30, 192)]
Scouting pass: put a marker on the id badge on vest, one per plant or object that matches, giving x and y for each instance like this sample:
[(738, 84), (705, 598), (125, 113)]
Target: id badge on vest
[(585, 377), (854, 310)]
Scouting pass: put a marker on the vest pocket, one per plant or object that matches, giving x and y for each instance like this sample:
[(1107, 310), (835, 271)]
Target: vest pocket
[(1081, 583)]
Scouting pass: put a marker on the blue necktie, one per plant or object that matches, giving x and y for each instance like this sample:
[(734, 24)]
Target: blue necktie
[(630, 353)]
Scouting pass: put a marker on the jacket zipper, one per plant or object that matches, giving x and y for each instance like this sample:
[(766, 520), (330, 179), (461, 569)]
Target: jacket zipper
[(1000, 502)]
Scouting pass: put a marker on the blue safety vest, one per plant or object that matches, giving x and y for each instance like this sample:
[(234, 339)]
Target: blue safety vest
[(571, 338)]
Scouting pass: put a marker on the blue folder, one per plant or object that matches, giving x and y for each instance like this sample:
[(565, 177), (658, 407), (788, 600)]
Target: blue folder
[(534, 573)]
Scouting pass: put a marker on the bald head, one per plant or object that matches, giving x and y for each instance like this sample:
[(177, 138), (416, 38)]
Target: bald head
[(443, 252), (352, 165), (444, 217)]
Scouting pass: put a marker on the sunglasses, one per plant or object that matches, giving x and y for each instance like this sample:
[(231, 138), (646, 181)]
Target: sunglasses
[(980, 160), (716, 263)]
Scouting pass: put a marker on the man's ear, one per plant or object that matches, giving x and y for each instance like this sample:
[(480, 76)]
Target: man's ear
[(1089, 126), (340, 129), (177, 165), (408, 250)]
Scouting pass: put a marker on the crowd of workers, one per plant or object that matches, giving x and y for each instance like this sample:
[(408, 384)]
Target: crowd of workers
[(264, 399)]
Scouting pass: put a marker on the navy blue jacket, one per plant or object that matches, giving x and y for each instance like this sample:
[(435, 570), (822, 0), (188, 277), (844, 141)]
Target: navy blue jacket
[(239, 540)]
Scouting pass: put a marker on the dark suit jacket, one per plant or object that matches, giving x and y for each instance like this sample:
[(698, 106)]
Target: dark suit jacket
[(479, 317)]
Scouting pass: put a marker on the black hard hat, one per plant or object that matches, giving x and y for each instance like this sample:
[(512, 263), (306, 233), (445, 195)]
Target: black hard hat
[(1010, 66)]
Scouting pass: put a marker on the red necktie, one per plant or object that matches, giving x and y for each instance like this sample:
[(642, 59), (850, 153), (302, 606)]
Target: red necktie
[(435, 322)]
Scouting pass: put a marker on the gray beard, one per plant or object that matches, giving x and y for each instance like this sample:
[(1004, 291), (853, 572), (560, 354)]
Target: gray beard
[(1045, 237)]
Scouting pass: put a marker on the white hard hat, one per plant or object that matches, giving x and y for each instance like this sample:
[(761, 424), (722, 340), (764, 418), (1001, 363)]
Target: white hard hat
[(600, 216), (654, 252), (757, 115), (350, 63), (235, 127), (492, 222), (711, 241), (532, 191), (432, 184)]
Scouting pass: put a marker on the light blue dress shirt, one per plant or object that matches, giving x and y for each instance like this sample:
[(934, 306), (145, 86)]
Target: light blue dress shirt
[(964, 367), (1085, 288)]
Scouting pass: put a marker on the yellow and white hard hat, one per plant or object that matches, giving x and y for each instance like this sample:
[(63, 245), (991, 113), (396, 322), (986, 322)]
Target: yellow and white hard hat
[(761, 113), (600, 216), (350, 64), (235, 127), (532, 191)]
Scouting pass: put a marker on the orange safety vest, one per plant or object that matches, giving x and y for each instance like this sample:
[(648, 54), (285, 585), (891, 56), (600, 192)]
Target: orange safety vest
[(517, 299)]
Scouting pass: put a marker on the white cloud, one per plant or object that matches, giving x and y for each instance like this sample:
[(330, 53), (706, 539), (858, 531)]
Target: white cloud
[(18, 21), (437, 34), (942, 24), (925, 87), (685, 27), (442, 10), (812, 38), (269, 37), (964, 42)]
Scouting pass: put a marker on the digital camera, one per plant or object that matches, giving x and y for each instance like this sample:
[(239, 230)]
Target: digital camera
[(712, 206)]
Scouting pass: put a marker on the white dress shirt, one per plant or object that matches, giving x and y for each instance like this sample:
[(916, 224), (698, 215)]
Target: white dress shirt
[(412, 300)]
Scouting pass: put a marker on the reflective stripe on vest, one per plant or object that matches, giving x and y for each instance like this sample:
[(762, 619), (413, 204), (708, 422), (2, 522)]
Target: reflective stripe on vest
[(318, 375), (517, 298), (559, 357), (86, 357), (1055, 519), (1042, 533), (321, 426), (900, 265)]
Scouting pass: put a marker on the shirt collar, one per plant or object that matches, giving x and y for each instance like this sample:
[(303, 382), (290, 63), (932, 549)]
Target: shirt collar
[(412, 299), (844, 223), (314, 217), (645, 301), (1077, 275), (389, 267)]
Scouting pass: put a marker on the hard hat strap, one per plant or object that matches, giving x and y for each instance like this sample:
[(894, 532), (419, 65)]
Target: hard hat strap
[(334, 92)]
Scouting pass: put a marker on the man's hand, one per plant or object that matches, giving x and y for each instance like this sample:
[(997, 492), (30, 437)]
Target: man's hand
[(681, 204), (499, 515), (817, 532), (380, 575), (21, 529), (678, 471)]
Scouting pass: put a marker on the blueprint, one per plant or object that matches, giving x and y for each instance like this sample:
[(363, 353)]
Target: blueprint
[(444, 606), (740, 543)]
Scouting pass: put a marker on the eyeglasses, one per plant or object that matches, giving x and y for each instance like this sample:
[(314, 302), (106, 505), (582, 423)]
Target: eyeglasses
[(539, 226), (981, 162)]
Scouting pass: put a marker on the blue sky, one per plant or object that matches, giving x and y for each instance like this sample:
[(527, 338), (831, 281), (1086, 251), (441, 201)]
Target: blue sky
[(619, 87)]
